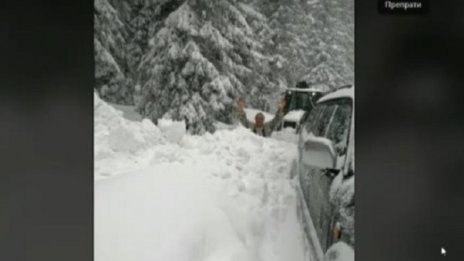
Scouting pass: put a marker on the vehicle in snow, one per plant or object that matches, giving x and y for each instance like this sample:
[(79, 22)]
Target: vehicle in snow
[(325, 171), (300, 100)]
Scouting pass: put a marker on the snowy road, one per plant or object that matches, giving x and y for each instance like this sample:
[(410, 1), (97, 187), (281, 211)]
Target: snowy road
[(163, 195)]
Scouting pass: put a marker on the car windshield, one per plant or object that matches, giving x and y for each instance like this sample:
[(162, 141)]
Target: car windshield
[(299, 101)]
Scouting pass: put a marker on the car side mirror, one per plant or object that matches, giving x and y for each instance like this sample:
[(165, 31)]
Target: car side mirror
[(319, 152)]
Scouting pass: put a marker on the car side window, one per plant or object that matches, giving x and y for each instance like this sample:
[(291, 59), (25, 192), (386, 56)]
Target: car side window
[(313, 116), (318, 122), (322, 126), (340, 125), (331, 120)]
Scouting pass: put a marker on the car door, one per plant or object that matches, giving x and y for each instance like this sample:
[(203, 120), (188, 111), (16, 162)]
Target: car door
[(331, 120)]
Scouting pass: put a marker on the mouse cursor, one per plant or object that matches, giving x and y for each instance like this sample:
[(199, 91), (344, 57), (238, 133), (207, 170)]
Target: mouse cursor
[(443, 251)]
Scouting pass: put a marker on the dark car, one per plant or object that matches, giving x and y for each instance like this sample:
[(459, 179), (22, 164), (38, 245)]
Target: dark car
[(299, 101), (325, 169)]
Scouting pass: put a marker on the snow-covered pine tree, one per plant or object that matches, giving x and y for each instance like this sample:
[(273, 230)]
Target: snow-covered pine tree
[(314, 39), (109, 43), (138, 24), (341, 19), (145, 19), (204, 57), (267, 87), (123, 7), (332, 43), (289, 24)]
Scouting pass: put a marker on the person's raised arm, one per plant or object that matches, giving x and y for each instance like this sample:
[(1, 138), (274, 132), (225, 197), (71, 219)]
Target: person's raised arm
[(278, 116), (241, 114)]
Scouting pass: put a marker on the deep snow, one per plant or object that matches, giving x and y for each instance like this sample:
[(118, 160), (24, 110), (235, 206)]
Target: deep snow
[(163, 195)]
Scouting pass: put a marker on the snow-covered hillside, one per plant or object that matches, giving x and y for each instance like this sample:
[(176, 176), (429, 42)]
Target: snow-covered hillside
[(161, 194), (193, 59)]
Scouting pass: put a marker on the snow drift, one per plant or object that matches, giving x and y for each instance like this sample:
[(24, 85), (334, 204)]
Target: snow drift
[(161, 194)]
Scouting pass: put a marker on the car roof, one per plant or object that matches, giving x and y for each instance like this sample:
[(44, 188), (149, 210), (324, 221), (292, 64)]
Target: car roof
[(303, 90), (346, 92)]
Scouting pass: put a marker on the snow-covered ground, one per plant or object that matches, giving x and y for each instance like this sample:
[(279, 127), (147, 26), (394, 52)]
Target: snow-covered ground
[(287, 134), (128, 112), (163, 195)]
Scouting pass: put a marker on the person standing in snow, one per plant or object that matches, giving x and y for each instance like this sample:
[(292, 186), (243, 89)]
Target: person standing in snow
[(259, 127)]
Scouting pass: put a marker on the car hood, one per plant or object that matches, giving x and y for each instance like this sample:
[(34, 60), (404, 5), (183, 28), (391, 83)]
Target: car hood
[(294, 115)]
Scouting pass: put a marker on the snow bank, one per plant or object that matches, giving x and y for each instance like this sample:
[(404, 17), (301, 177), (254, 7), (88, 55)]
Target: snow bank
[(173, 131), (128, 111), (339, 251), (287, 134), (222, 196), (223, 126), (119, 142), (148, 215)]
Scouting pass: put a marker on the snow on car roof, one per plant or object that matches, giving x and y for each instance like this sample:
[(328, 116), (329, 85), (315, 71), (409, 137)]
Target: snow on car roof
[(303, 90), (294, 115), (342, 93)]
